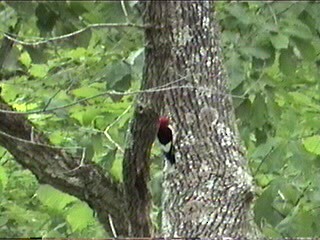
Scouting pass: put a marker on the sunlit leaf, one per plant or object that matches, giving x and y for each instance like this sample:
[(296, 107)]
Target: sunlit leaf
[(25, 59), (79, 216), (312, 144), (53, 198), (116, 170), (3, 178), (279, 41), (38, 70), (86, 91)]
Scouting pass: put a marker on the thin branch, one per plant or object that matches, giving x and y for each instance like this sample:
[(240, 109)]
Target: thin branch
[(81, 161), (114, 122), (112, 227), (256, 82), (35, 143), (151, 90), (50, 100), (55, 94), (263, 160), (123, 6), (302, 194), (91, 26), (273, 14), (32, 134), (89, 98), (2, 156)]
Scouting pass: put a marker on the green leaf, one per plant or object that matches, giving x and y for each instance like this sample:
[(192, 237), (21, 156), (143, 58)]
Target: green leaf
[(259, 112), (11, 60), (25, 59), (116, 170), (276, 158), (108, 159), (38, 70), (53, 198), (134, 55), (257, 52), (304, 100), (238, 11), (289, 192), (3, 220), (58, 137), (79, 216), (279, 41), (118, 76), (236, 71), (264, 180), (85, 92), (287, 62), (270, 232), (46, 17), (267, 212), (262, 150), (312, 144), (300, 222), (306, 49), (90, 114), (296, 28), (78, 53), (3, 178)]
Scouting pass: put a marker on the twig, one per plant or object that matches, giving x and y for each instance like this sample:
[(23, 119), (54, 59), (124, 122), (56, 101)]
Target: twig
[(35, 143), (91, 26), (124, 10), (256, 82), (55, 94), (81, 161), (50, 99), (2, 156), (302, 194), (32, 134), (263, 160), (112, 227), (89, 98), (273, 14), (114, 122), (151, 90)]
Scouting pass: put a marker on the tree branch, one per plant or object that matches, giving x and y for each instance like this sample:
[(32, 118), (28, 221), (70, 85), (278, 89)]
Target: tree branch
[(66, 36), (56, 167)]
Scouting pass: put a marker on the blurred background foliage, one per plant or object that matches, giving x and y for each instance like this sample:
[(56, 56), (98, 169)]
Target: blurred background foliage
[(272, 56)]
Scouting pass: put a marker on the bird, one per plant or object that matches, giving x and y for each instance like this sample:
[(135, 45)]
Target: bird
[(165, 137)]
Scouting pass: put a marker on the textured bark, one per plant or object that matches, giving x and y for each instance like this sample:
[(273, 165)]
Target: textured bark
[(209, 192), (54, 166), (143, 127)]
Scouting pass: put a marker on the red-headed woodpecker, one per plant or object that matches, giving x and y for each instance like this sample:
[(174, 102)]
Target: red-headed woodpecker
[(165, 138)]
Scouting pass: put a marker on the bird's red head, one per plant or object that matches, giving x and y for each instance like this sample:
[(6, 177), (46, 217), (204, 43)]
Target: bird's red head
[(164, 122)]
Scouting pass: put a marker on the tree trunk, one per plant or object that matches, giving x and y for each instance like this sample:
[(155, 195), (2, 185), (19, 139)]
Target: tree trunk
[(209, 192), (149, 105)]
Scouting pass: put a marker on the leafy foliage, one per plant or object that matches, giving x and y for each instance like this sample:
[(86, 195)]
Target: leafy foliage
[(271, 53), (78, 72), (272, 57)]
